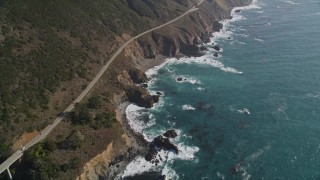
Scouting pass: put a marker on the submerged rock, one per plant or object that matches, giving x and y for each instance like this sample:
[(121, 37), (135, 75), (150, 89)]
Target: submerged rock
[(164, 143), (170, 133), (179, 79), (160, 142), (155, 98), (141, 97), (216, 47), (216, 54)]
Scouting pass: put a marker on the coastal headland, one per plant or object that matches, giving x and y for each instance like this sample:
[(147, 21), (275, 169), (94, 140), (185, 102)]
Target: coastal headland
[(104, 148)]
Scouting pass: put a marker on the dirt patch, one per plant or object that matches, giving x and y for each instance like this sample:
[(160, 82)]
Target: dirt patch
[(23, 140)]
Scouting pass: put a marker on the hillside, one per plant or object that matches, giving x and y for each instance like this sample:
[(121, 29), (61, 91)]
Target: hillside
[(44, 44), (49, 52)]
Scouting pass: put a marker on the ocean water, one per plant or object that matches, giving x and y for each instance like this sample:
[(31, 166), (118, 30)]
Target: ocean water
[(251, 113)]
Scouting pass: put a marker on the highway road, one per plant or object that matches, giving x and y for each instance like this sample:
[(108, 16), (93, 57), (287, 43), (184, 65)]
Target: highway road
[(5, 165)]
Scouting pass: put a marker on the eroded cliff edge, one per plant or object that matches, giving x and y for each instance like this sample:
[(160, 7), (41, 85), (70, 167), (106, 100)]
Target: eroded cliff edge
[(182, 38)]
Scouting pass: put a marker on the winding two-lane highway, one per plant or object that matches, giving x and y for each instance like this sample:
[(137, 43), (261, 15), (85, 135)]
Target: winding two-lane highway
[(17, 155)]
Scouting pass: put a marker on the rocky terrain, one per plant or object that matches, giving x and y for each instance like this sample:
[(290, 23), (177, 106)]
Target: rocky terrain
[(100, 146)]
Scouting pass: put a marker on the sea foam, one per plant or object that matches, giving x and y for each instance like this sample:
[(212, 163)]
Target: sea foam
[(188, 107), (134, 113)]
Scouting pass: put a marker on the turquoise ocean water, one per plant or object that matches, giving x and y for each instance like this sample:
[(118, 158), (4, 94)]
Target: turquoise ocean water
[(253, 112)]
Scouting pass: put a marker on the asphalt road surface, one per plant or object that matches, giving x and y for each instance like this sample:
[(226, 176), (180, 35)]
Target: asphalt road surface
[(17, 155)]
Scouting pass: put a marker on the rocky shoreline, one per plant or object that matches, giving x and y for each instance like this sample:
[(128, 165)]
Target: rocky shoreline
[(138, 146), (138, 94)]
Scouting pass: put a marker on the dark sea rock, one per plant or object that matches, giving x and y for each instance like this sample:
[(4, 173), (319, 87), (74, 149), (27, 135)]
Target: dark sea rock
[(170, 133), (202, 106), (216, 47), (205, 38), (155, 98), (158, 93), (216, 54), (191, 50), (203, 48), (216, 25), (237, 11), (158, 143), (144, 85), (137, 76), (152, 153), (179, 79), (164, 143), (147, 176), (141, 97)]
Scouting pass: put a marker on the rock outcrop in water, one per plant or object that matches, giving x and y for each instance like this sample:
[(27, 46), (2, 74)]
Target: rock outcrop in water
[(137, 76), (141, 97), (161, 142), (170, 134), (183, 38)]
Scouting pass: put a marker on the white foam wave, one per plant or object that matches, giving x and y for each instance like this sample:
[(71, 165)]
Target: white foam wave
[(171, 123), (259, 40), (186, 79), (245, 164), (225, 32), (133, 112), (201, 89), (188, 107), (165, 158), (313, 95), (154, 70), (291, 2), (185, 153), (244, 111), (221, 176), (205, 60), (139, 120), (169, 172), (138, 166), (254, 5)]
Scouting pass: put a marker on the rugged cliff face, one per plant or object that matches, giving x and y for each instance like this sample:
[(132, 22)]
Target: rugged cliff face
[(181, 38), (50, 52)]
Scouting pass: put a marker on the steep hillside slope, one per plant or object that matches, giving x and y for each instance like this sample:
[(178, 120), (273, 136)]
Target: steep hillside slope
[(49, 52)]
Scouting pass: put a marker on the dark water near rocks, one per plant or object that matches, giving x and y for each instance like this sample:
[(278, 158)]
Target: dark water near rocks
[(252, 113)]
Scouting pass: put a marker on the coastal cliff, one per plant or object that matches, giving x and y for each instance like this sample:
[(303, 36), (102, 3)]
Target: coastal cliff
[(52, 61), (182, 38)]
